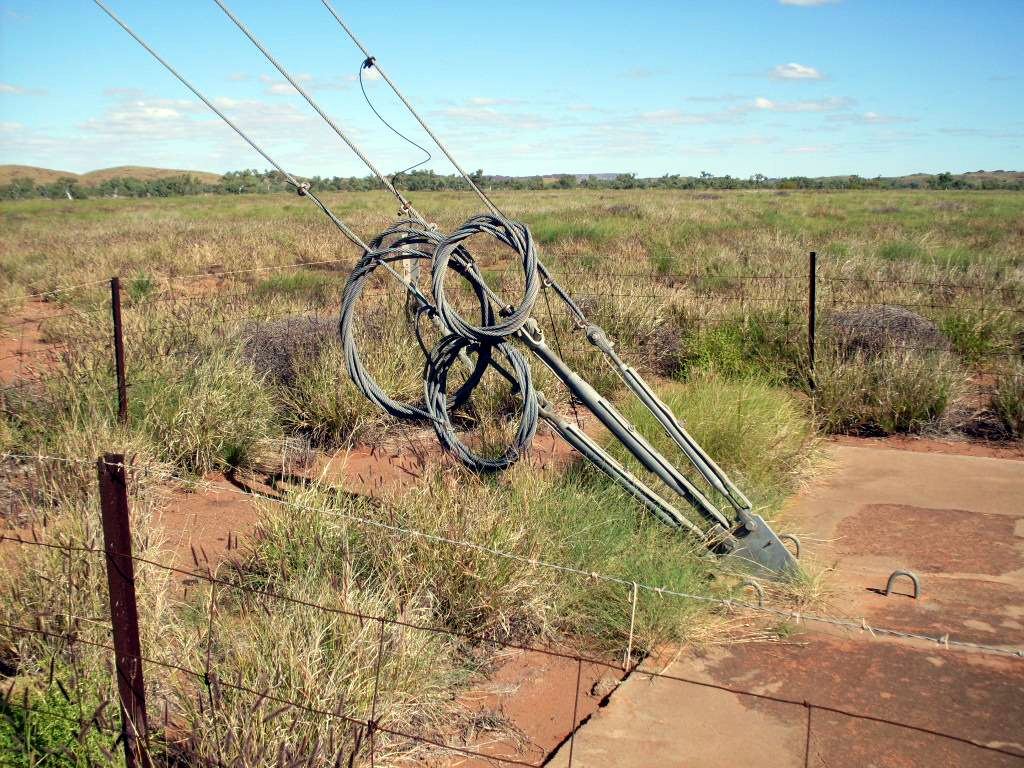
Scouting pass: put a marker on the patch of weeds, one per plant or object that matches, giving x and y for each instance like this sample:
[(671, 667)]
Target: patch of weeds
[(901, 251), (978, 335), (299, 281), (663, 259), (40, 729), (784, 630), (884, 393), (549, 229), (837, 250), (953, 259), (141, 286), (1008, 400), (211, 415), (322, 403), (758, 433), (758, 344)]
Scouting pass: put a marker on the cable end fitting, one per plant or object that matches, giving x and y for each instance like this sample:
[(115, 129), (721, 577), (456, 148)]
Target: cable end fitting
[(597, 337)]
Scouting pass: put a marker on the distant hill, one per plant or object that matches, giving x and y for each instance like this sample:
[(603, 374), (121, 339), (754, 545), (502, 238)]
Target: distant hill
[(94, 178), (39, 175), (48, 176)]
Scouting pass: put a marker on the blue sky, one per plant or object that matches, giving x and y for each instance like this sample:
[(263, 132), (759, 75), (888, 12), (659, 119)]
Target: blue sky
[(780, 87)]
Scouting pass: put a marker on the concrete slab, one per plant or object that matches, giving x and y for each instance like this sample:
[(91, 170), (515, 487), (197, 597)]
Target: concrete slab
[(959, 522)]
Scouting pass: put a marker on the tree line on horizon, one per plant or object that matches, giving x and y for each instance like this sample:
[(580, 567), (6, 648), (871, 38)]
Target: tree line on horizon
[(252, 181)]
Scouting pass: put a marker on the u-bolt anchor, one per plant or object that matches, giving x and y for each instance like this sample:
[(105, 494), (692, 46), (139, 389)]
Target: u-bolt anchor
[(910, 575), (756, 586), (796, 542)]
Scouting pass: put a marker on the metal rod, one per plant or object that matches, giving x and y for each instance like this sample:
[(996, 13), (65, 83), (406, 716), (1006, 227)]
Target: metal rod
[(812, 287), (124, 615), (122, 386)]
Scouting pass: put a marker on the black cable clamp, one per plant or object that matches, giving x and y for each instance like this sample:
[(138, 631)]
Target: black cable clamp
[(303, 189), (370, 61)]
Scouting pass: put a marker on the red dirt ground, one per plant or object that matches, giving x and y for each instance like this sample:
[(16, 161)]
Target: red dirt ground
[(23, 353)]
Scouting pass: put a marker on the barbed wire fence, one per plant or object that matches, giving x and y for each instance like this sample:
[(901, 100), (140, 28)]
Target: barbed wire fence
[(789, 307)]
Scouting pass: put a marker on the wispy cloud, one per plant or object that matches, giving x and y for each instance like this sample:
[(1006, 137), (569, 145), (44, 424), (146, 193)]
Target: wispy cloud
[(239, 77), (496, 118), (810, 149), (641, 73), (981, 133), (830, 104), (277, 87), (717, 98), (19, 91), (679, 117), (870, 118), (794, 71), (483, 101)]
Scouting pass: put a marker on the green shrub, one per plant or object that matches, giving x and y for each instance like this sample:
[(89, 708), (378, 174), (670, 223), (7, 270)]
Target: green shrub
[(884, 393), (979, 335), (759, 434), (210, 415), (141, 286), (764, 345), (902, 250), (1008, 401)]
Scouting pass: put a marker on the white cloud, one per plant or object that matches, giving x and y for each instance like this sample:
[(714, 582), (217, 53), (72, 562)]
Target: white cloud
[(488, 116), (870, 118), (18, 90), (278, 87), (640, 73), (483, 101), (369, 73), (794, 71), (830, 104), (678, 117)]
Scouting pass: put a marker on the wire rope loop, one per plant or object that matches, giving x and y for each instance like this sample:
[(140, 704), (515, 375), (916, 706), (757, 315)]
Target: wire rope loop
[(435, 378), (366, 384), (516, 236)]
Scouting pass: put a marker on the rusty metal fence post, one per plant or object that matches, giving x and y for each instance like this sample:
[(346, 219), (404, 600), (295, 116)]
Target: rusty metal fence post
[(124, 615), (122, 386), (812, 303)]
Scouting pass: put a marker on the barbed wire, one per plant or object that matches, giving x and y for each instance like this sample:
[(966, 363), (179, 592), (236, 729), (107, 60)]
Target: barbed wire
[(797, 616), (372, 723)]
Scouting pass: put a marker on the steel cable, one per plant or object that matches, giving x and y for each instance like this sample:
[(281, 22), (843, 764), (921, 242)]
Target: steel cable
[(366, 384), (517, 237), (435, 384)]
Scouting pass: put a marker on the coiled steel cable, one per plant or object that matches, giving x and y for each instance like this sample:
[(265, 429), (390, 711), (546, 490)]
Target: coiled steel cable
[(377, 256), (435, 384), (516, 236)]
